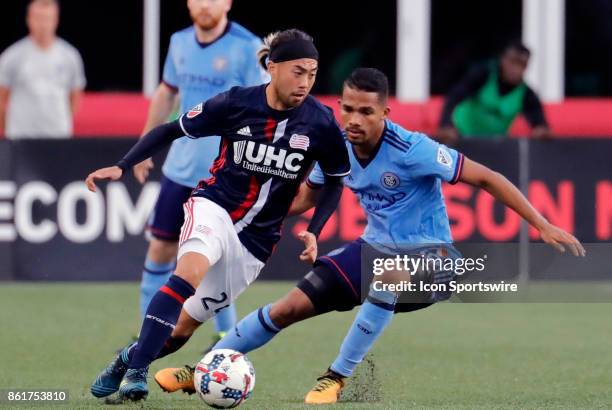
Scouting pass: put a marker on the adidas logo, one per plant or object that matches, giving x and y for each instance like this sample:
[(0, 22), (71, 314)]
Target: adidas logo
[(246, 131), (444, 158)]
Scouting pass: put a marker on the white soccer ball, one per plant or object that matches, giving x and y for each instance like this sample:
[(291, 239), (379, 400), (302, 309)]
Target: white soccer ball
[(224, 378)]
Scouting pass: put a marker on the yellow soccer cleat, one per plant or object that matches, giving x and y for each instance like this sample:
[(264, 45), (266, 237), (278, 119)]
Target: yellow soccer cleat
[(174, 379), (327, 390)]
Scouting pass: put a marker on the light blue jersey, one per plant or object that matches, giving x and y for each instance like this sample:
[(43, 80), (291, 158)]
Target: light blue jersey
[(400, 188), (201, 71)]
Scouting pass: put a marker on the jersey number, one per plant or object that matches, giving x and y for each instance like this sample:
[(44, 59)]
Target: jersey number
[(222, 298)]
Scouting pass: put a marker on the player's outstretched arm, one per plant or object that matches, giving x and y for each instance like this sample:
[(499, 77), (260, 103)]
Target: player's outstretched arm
[(503, 190), (151, 143)]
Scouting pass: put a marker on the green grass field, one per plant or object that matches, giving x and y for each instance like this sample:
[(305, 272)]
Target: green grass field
[(450, 356)]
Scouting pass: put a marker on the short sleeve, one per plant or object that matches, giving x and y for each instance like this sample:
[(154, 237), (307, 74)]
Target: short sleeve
[(78, 81), (316, 178), (7, 68), (169, 76), (254, 74), (333, 158), (426, 157), (207, 118)]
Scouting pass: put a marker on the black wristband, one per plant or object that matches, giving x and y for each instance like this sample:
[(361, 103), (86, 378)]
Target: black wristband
[(123, 165)]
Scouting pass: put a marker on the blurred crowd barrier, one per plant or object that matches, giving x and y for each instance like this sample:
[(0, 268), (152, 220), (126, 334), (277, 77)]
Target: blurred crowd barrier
[(52, 228), (124, 114)]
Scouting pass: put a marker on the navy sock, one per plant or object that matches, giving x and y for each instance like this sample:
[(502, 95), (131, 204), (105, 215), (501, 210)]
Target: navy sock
[(160, 320), (172, 345)]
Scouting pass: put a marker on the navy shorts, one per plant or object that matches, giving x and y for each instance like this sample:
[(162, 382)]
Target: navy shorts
[(337, 282), (167, 218)]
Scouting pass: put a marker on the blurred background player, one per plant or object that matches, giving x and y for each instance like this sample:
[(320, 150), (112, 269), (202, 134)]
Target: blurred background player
[(486, 102), (386, 161), (209, 57), (41, 79), (272, 134)]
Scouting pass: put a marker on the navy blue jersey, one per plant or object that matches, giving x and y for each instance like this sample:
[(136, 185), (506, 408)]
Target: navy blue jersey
[(199, 72), (263, 157)]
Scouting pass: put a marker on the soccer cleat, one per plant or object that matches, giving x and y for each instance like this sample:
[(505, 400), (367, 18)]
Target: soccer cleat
[(174, 379), (215, 339), (134, 385), (109, 379), (327, 390)]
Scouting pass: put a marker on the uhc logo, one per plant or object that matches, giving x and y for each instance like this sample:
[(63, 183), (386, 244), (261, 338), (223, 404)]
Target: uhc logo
[(239, 151), (267, 156)]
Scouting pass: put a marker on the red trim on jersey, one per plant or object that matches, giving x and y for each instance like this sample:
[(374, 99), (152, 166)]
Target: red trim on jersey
[(172, 294), (188, 225), (269, 129), (218, 163), (186, 212), (191, 217), (247, 202), (342, 273)]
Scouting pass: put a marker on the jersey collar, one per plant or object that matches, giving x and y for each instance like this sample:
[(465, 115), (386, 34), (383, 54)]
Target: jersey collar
[(204, 45), (364, 162)]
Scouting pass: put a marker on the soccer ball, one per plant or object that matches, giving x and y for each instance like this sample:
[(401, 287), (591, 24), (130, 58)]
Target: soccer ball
[(224, 378)]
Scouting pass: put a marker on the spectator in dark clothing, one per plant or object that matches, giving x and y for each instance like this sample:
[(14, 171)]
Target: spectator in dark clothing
[(486, 102)]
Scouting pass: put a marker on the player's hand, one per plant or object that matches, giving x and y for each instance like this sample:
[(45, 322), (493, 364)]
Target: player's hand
[(309, 255), (141, 170), (447, 135), (112, 173), (557, 238)]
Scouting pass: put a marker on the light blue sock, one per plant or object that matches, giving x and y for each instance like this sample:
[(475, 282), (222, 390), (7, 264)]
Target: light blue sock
[(154, 276), (225, 319), (252, 332), (371, 320)]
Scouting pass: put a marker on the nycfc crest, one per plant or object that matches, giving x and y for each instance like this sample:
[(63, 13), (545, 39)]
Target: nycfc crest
[(389, 180)]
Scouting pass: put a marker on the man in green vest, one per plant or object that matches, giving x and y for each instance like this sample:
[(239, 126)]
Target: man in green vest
[(485, 103)]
